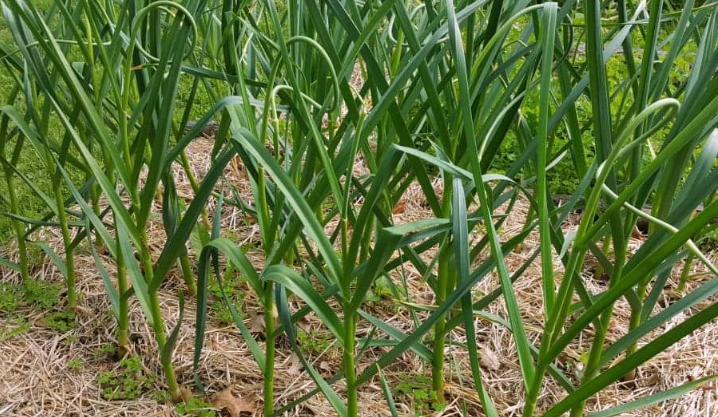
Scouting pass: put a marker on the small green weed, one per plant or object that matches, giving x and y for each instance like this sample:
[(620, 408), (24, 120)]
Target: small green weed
[(314, 342), (195, 407), (381, 290), (9, 298), (162, 396), (17, 326), (60, 321), (40, 294), (126, 383), (418, 388), (75, 364), (34, 293), (235, 295), (104, 350)]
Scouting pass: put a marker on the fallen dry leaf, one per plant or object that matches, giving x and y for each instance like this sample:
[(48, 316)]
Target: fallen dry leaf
[(225, 400), (256, 323), (636, 233), (304, 324), (489, 360), (249, 220), (185, 393), (653, 380), (83, 311), (296, 367)]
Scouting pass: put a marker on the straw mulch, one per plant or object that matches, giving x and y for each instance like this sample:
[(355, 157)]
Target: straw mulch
[(35, 379)]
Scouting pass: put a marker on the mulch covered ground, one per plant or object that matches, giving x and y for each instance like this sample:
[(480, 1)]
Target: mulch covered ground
[(46, 371)]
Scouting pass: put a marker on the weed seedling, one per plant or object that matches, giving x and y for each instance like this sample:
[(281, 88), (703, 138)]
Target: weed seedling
[(60, 321), (418, 389), (234, 294), (314, 342), (75, 364), (9, 298), (127, 382), (195, 407), (40, 294), (105, 351), (15, 327)]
